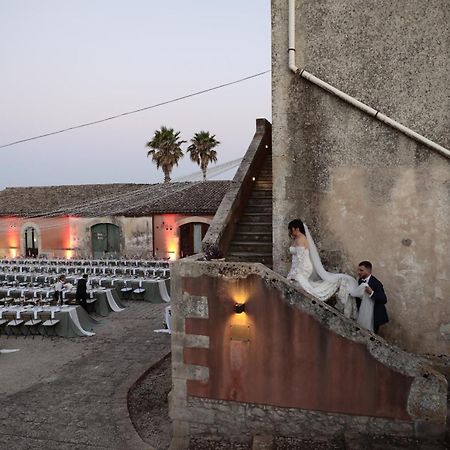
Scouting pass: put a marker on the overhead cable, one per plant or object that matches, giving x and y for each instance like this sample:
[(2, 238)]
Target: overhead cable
[(145, 108)]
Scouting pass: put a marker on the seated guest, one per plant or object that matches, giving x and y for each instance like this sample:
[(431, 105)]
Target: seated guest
[(59, 286), (81, 295)]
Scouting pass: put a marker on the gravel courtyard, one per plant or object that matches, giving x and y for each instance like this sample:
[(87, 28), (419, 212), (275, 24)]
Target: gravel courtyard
[(72, 393)]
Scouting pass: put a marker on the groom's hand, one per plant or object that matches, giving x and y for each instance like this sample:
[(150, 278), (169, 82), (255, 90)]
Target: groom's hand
[(368, 290)]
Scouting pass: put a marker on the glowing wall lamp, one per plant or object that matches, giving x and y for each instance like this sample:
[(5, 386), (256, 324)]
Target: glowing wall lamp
[(239, 308)]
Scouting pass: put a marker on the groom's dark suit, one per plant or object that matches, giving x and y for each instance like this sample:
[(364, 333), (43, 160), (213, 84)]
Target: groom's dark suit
[(379, 298)]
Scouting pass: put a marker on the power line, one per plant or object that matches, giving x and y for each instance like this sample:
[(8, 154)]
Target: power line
[(156, 191), (87, 124)]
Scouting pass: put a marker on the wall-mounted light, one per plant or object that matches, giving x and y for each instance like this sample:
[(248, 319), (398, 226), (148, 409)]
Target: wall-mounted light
[(253, 178), (239, 308)]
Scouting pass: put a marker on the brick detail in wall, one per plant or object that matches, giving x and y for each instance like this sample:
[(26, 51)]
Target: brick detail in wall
[(197, 326), (196, 344), (196, 356)]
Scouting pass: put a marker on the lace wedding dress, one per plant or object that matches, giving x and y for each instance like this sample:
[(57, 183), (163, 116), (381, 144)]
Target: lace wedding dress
[(307, 270), (301, 271)]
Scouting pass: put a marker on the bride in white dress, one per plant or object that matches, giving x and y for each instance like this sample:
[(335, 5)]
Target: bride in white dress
[(307, 270)]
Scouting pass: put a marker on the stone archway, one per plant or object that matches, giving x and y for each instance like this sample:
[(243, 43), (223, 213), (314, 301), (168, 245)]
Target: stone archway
[(30, 240)]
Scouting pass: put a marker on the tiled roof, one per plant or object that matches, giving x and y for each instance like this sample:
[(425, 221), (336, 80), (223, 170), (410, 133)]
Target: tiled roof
[(120, 199)]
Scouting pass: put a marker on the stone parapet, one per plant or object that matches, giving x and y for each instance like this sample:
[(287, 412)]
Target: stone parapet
[(288, 366)]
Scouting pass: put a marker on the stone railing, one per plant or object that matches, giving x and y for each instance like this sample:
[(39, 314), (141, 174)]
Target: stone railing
[(288, 365), (221, 230)]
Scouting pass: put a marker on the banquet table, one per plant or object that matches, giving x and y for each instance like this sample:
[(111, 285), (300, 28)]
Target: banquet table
[(73, 320), (103, 300), (156, 290), (26, 270)]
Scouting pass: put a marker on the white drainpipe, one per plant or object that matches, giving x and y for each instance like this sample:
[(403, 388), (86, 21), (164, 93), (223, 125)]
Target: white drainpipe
[(342, 95)]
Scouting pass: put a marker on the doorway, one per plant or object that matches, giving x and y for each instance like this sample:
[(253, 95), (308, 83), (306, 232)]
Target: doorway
[(191, 236), (105, 240), (31, 246)]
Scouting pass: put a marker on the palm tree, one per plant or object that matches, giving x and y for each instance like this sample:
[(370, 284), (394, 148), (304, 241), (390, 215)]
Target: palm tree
[(165, 150), (201, 150)]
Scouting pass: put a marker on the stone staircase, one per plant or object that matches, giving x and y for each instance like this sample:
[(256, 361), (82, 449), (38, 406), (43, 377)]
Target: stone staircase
[(252, 241)]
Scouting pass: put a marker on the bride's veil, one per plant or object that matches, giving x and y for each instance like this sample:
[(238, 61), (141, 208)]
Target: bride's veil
[(316, 262), (347, 283)]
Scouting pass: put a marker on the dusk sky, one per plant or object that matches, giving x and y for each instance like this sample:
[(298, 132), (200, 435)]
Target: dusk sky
[(74, 61)]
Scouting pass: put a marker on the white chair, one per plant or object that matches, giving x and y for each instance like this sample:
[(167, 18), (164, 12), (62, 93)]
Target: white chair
[(13, 325), (48, 322)]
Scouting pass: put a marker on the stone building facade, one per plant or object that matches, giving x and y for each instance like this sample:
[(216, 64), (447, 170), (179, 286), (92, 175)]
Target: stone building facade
[(128, 220), (367, 191)]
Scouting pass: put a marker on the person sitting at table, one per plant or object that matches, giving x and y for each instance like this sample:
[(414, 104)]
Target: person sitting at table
[(81, 295), (59, 286)]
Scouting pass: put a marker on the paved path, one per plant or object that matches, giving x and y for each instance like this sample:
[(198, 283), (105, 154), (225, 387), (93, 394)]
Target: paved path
[(72, 393)]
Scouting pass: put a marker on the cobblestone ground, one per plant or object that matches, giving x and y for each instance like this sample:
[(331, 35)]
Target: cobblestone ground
[(72, 393)]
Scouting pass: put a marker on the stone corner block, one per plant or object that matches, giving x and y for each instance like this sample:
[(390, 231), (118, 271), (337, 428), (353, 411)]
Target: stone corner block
[(190, 372), (427, 400), (196, 341), (194, 306)]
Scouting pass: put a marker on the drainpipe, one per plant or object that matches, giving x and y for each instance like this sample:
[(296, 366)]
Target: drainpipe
[(347, 98)]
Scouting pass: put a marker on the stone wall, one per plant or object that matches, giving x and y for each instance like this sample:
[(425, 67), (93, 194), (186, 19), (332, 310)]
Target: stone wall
[(365, 190), (288, 365)]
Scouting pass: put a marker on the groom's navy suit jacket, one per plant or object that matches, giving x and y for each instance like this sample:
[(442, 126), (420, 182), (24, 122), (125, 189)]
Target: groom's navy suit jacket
[(379, 298)]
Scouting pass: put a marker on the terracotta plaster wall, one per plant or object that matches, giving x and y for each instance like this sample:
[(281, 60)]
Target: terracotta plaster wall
[(53, 235), (365, 190), (285, 358), (288, 366), (167, 233)]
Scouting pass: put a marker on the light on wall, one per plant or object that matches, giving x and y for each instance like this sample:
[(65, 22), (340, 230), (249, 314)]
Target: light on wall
[(239, 308)]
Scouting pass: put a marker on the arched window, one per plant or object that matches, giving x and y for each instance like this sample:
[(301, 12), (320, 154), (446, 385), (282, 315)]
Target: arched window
[(191, 236), (31, 245), (105, 240)]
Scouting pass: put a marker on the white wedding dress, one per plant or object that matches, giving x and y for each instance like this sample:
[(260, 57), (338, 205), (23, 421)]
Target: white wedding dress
[(307, 270), (301, 271)]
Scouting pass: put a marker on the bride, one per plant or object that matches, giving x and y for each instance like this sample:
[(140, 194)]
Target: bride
[(307, 270)]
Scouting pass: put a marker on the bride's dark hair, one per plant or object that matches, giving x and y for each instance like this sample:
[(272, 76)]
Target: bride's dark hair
[(296, 223)]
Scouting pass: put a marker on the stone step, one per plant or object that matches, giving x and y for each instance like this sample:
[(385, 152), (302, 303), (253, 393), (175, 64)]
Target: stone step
[(261, 193), (256, 217), (253, 236), (251, 247), (263, 258), (257, 201), (254, 226), (259, 208)]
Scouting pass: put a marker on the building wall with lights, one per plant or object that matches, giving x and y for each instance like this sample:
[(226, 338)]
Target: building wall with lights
[(106, 220), (70, 236)]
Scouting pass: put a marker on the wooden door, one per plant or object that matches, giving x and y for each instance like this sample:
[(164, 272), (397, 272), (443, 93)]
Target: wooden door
[(31, 247), (105, 240), (191, 236)]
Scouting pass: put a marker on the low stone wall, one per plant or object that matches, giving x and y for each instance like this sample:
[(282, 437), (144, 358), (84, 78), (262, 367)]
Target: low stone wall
[(289, 365)]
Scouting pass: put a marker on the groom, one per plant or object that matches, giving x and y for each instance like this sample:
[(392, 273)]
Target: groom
[(376, 293)]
